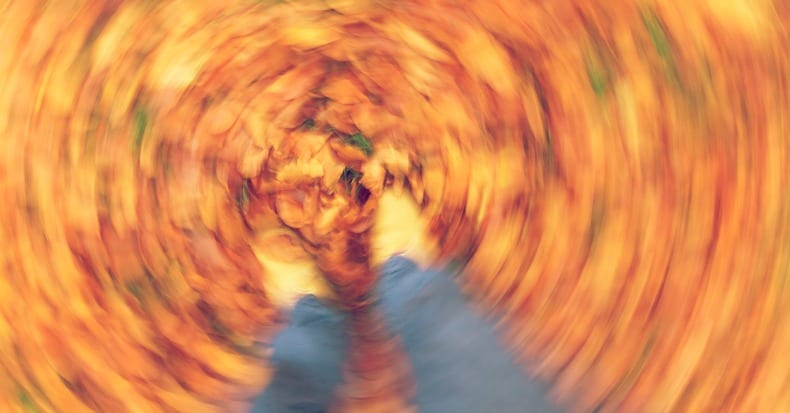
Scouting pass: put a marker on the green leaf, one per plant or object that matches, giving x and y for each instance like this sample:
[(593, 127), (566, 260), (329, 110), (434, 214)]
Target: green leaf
[(657, 35), (139, 289), (244, 195), (360, 141), (27, 402), (220, 329), (661, 43), (349, 177), (599, 74), (597, 81), (140, 126), (135, 288), (308, 124)]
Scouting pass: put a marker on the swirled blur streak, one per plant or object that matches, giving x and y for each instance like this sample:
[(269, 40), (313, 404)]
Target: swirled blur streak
[(613, 174)]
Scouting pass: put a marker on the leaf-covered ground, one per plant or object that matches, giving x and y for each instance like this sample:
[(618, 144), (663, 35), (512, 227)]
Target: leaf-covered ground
[(613, 174)]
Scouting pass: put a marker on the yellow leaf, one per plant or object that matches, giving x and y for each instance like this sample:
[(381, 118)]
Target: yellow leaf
[(486, 59), (309, 36)]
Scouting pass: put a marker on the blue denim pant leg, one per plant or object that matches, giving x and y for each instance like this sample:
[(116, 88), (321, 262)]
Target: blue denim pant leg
[(459, 365), (308, 360)]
